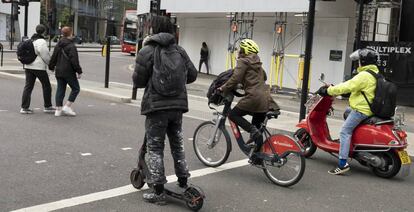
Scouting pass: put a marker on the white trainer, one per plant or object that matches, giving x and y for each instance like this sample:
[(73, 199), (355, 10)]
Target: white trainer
[(68, 111), (58, 113)]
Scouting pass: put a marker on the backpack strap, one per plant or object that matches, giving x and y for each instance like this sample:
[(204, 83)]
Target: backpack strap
[(363, 93)]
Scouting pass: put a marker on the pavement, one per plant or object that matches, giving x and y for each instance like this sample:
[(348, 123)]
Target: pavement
[(122, 92)]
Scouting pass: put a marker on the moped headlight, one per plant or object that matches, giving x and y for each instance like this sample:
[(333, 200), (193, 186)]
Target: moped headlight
[(393, 142)]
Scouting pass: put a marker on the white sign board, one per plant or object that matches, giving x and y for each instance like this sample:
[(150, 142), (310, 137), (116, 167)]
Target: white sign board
[(3, 27), (143, 6), (227, 6)]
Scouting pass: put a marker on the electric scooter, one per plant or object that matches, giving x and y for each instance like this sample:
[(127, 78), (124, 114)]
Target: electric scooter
[(376, 143), (193, 196)]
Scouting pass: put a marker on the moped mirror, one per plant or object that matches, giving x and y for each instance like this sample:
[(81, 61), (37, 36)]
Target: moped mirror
[(322, 77)]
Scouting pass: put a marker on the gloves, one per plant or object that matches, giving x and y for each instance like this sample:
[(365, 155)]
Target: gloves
[(323, 91)]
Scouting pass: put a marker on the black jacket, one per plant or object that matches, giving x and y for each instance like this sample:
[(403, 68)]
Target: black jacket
[(65, 65), (152, 101)]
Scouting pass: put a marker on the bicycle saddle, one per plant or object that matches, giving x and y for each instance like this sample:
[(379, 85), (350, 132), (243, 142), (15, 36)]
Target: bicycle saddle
[(273, 114)]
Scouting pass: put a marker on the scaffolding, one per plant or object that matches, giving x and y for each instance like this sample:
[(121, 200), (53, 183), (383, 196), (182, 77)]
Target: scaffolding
[(277, 65), (241, 27), (371, 27)]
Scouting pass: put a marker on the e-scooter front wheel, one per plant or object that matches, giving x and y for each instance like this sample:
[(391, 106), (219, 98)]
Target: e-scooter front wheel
[(137, 178), (286, 172), (211, 147)]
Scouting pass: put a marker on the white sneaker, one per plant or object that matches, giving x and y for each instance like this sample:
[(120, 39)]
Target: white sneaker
[(68, 111), (58, 113)]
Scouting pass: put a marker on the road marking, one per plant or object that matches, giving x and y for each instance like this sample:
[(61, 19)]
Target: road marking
[(131, 67), (37, 108), (85, 154), (3, 110), (126, 148), (113, 104), (190, 139), (91, 105), (40, 161), (124, 190)]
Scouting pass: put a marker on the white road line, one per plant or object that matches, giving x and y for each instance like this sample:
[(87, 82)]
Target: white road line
[(91, 105), (74, 201), (41, 161), (3, 110), (37, 108), (112, 104), (86, 154), (126, 148), (190, 139)]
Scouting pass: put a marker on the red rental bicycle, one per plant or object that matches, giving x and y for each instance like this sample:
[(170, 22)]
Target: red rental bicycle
[(282, 160)]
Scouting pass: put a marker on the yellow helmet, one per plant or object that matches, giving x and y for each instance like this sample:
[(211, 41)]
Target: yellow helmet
[(249, 46)]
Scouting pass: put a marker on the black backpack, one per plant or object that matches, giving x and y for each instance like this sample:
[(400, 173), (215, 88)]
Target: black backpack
[(169, 74), (385, 99), (25, 52), (213, 96)]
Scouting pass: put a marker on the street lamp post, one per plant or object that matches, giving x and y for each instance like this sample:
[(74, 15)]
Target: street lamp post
[(308, 56)]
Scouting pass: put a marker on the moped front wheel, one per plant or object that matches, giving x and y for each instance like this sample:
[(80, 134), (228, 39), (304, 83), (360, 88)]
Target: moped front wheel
[(288, 171), (304, 138), (211, 149)]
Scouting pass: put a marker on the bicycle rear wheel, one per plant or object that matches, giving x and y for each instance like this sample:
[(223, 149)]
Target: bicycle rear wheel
[(215, 154), (286, 173)]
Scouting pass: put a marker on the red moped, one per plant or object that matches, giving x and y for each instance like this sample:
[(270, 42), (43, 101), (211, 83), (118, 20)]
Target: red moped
[(376, 143)]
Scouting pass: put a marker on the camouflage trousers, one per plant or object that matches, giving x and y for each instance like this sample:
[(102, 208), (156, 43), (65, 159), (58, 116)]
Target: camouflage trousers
[(157, 125)]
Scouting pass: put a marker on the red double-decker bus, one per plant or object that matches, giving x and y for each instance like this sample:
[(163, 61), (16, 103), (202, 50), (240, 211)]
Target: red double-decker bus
[(129, 32)]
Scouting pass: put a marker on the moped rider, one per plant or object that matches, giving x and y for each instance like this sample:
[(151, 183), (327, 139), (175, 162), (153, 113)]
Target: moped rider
[(359, 108), (257, 100)]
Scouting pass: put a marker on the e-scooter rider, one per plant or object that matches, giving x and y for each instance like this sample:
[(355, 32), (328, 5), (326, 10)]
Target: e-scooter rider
[(257, 100), (163, 68), (362, 83)]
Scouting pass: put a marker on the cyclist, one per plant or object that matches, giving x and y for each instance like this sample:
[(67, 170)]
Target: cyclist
[(359, 109), (257, 100)]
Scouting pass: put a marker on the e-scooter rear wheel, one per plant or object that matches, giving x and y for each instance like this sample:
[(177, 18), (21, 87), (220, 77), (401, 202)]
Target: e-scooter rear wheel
[(137, 178), (195, 199)]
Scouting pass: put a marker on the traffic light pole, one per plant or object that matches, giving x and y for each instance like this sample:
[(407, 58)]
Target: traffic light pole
[(12, 26), (26, 18)]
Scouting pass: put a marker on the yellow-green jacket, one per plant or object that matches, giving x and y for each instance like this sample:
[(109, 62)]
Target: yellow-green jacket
[(363, 81)]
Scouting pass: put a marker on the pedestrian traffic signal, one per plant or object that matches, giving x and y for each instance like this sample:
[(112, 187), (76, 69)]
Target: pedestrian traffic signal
[(23, 2), (16, 12)]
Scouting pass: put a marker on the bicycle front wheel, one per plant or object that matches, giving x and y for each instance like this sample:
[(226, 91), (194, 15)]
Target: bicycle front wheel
[(212, 150), (286, 173)]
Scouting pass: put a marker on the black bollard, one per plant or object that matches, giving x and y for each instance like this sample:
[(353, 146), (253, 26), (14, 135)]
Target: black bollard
[(108, 57)]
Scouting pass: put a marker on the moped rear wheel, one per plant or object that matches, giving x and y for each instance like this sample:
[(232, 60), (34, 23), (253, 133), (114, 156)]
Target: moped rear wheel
[(288, 172), (392, 166), (215, 154), (304, 138)]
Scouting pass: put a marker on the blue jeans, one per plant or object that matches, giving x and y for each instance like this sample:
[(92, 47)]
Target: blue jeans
[(351, 122), (61, 89)]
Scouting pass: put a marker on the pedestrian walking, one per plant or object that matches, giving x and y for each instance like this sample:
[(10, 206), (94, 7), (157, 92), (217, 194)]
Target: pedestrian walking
[(65, 63), (37, 69), (204, 56), (163, 68)]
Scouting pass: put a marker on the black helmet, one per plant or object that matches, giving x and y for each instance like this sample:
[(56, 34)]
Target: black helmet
[(366, 56)]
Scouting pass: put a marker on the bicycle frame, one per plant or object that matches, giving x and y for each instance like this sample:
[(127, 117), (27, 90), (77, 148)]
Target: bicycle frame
[(220, 123)]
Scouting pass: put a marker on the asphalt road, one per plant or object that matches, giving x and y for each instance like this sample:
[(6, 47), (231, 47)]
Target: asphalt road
[(45, 159)]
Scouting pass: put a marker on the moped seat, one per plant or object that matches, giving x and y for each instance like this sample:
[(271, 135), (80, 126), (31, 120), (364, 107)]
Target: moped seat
[(373, 120)]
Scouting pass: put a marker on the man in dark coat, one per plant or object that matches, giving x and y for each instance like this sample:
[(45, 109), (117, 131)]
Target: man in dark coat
[(163, 113), (65, 63)]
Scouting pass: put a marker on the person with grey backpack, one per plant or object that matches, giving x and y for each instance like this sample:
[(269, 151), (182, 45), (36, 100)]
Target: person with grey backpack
[(163, 68)]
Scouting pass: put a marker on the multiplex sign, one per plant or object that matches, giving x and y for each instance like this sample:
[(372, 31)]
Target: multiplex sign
[(391, 53), (391, 49)]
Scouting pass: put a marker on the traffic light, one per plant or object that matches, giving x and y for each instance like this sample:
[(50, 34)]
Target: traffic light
[(16, 11), (23, 2)]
